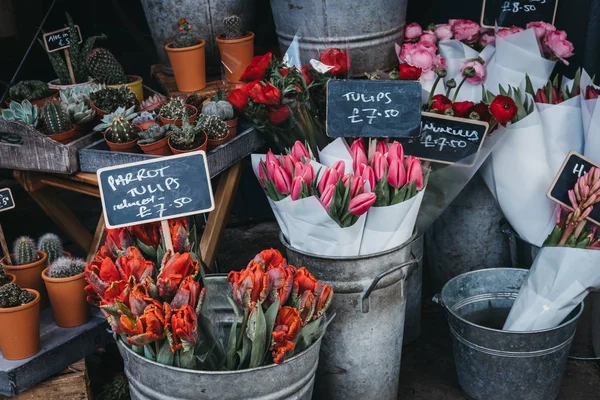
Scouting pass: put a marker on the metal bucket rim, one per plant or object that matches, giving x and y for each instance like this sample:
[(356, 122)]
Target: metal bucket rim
[(221, 373), (410, 240), (500, 330)]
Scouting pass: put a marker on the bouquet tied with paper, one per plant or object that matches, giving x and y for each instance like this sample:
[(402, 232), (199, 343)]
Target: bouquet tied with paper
[(349, 204)]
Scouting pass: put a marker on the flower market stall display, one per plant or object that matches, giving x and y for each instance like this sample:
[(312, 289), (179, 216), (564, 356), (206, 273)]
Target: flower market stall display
[(65, 284), (176, 110), (154, 140), (19, 322), (236, 47), (37, 92), (186, 54)]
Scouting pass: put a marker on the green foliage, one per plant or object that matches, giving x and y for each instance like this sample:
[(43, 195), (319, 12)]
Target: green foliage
[(121, 131), (24, 250), (154, 134), (222, 109), (184, 137), (55, 119), (105, 68), (12, 295), (109, 99), (214, 127), (51, 244), (233, 27), (65, 267), (108, 119), (175, 109), (30, 90), (23, 112)]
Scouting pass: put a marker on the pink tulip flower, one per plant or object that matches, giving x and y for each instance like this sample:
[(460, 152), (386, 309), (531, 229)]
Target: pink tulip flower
[(361, 203), (299, 151), (356, 185), (381, 147), (358, 156), (396, 173), (379, 166), (327, 196), (330, 177), (368, 175), (296, 189), (395, 151), (340, 167), (271, 158), (288, 162), (415, 173), (306, 171), (282, 180)]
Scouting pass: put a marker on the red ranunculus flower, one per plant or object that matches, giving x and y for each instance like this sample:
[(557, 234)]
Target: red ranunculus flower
[(504, 109), (246, 285), (307, 73), (409, 73), (284, 72), (483, 111), (287, 327), (184, 326), (238, 98), (257, 68), (147, 328), (175, 268), (440, 103), (462, 109), (266, 94), (337, 59), (180, 232), (278, 115), (148, 234)]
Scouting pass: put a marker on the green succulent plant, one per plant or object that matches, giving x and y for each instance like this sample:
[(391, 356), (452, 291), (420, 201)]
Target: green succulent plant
[(30, 90), (105, 68), (12, 295), (65, 267), (121, 113), (233, 27), (184, 137), (221, 109), (50, 244), (154, 134), (214, 127), (55, 119), (23, 112), (109, 99), (175, 109), (144, 116)]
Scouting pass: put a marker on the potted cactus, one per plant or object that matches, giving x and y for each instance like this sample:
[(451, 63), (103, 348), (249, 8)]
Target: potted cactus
[(28, 264), (187, 138), (236, 47), (153, 102), (220, 107), (37, 92), (176, 110), (186, 54), (57, 124), (5, 277), (155, 139), (215, 128), (118, 132), (19, 322), (105, 68), (106, 100), (23, 112), (65, 283), (51, 244), (145, 120)]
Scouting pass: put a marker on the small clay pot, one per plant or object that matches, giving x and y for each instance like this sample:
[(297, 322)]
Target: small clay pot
[(65, 137), (12, 277), (134, 83), (145, 125), (40, 102), (236, 55), (232, 124), (20, 329), (201, 147), (30, 275), (179, 122), (158, 148), (189, 66), (67, 296), (129, 147), (99, 113)]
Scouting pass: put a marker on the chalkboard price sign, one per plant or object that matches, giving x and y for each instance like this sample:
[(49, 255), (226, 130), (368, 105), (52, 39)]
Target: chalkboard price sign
[(574, 166), (60, 39), (445, 139), (505, 13), (155, 190), (6, 200), (364, 108)]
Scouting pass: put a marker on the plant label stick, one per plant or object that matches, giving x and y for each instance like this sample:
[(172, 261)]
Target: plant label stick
[(61, 40), (6, 203), (164, 224)]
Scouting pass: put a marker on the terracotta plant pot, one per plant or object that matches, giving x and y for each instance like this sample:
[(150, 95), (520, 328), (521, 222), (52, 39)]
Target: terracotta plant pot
[(20, 329), (40, 102), (65, 137), (129, 147), (30, 275), (188, 66), (99, 113), (12, 277), (179, 122), (201, 147), (159, 148), (67, 296), (55, 84), (232, 124), (145, 125), (236, 55), (134, 83)]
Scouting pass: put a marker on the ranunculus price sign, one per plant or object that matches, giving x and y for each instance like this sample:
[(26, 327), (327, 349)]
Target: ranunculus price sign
[(505, 14), (362, 108)]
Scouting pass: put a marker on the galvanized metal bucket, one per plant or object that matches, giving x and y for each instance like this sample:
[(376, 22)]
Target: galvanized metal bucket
[(414, 293), (497, 365), (293, 379), (361, 352)]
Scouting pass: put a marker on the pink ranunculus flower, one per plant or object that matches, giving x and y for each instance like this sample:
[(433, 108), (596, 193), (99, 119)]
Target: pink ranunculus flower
[(479, 71), (487, 38), (428, 37), (412, 31), (540, 28), (443, 31), (559, 46), (464, 29), (508, 31), (421, 58), (431, 48)]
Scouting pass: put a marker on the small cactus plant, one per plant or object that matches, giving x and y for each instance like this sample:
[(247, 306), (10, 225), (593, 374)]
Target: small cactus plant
[(215, 128), (109, 99), (3, 278), (233, 27), (30, 90), (153, 134), (65, 267), (12, 295), (24, 250), (221, 109), (51, 244), (144, 116), (184, 36), (55, 119), (121, 131), (184, 138), (175, 109), (105, 68)]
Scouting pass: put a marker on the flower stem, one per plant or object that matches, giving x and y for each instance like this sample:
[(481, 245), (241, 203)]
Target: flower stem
[(458, 88), (435, 83), (240, 341)]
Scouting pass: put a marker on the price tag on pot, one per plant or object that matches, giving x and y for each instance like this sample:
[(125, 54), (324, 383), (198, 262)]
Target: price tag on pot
[(365, 108), (60, 39), (155, 190), (505, 14), (446, 139), (6, 200), (574, 166)]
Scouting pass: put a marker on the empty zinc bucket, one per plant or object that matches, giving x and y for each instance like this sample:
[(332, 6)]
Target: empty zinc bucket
[(498, 365)]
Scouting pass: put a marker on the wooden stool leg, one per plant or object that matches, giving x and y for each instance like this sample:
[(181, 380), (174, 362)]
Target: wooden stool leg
[(217, 220), (98, 238)]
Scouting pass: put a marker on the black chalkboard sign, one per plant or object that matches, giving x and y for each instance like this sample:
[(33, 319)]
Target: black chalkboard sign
[(6, 200), (445, 139), (519, 13), (574, 166), (60, 39), (155, 190), (365, 108)]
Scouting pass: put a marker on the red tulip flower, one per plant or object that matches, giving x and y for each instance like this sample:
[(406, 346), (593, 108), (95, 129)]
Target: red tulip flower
[(180, 233), (323, 295), (278, 115), (307, 305), (139, 299), (287, 327), (246, 285), (265, 94), (268, 259), (117, 242), (277, 284), (133, 264), (188, 293), (148, 234), (175, 268), (184, 327), (238, 98), (147, 328), (504, 109), (361, 203)]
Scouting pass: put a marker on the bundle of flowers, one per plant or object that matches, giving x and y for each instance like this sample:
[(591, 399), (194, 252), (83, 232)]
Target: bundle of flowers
[(590, 116)]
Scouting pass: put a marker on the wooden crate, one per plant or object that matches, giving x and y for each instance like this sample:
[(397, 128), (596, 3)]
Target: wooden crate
[(37, 152), (97, 155)]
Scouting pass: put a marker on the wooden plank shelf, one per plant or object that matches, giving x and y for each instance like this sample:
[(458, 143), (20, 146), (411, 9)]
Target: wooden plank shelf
[(167, 82), (59, 348)]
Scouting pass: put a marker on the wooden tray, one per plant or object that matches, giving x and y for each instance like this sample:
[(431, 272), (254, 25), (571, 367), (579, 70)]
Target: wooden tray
[(37, 152), (97, 155)]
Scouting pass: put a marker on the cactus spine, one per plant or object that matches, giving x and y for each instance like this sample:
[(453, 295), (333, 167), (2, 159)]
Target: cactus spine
[(24, 250), (233, 27), (51, 244), (121, 131), (104, 67), (55, 120), (65, 267)]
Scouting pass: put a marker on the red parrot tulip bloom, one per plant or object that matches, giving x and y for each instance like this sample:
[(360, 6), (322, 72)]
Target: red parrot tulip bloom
[(184, 327), (246, 285), (175, 268), (148, 328), (287, 327)]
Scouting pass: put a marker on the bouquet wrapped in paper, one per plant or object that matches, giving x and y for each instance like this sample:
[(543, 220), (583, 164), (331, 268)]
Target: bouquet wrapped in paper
[(590, 113)]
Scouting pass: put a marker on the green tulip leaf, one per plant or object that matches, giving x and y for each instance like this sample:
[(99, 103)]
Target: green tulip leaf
[(187, 359), (232, 359), (149, 352), (164, 355), (307, 335), (257, 333), (270, 317)]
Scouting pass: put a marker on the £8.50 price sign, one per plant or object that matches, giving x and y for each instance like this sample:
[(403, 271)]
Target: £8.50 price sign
[(506, 13)]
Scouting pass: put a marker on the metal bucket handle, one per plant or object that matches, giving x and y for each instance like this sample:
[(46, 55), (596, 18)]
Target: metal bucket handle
[(364, 297)]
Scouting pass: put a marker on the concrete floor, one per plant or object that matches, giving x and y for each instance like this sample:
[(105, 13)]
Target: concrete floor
[(428, 371)]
